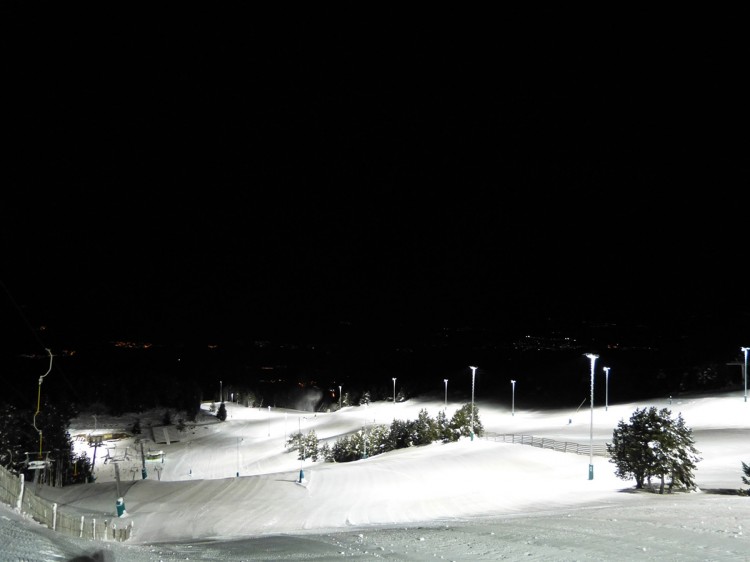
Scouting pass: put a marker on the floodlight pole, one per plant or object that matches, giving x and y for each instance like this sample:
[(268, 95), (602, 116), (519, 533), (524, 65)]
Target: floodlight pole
[(473, 373), (238, 455), (513, 399), (339, 397), (744, 368), (302, 451), (221, 393), (446, 394), (606, 388), (394, 391), (592, 357)]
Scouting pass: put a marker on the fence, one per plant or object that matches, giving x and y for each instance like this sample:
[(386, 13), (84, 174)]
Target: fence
[(94, 527), (599, 449)]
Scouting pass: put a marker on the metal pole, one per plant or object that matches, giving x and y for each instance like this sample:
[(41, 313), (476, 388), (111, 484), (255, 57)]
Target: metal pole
[(339, 397), (606, 388), (394, 390), (592, 357), (144, 473), (269, 421), (238, 455), (446, 394), (473, 372), (302, 452), (117, 478), (221, 393), (513, 399), (744, 369)]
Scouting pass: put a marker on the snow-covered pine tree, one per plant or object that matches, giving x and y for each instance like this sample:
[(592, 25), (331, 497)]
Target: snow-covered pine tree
[(398, 436), (425, 429), (310, 448), (444, 432), (654, 445), (461, 422)]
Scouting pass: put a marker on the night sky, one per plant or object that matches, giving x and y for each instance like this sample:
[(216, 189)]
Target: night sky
[(227, 176)]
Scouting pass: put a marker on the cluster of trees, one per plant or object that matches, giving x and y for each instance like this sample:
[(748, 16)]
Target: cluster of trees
[(652, 444), (377, 439), (21, 442)]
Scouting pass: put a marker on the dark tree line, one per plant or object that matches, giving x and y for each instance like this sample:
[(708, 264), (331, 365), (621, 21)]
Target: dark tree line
[(26, 439)]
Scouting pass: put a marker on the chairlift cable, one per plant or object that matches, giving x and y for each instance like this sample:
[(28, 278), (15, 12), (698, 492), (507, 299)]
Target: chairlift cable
[(35, 334)]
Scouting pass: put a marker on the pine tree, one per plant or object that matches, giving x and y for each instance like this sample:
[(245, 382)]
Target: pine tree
[(444, 432), (307, 446), (681, 456), (294, 442), (342, 450), (310, 446), (461, 422), (398, 436), (746, 478), (654, 445), (377, 439), (425, 429), (325, 451), (222, 413)]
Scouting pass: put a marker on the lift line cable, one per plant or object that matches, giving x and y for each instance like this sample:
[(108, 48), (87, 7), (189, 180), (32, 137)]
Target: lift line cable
[(35, 333)]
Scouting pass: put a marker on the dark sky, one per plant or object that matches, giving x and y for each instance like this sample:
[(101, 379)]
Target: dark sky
[(229, 173)]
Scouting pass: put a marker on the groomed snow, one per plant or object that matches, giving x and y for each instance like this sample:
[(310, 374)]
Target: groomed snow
[(470, 500)]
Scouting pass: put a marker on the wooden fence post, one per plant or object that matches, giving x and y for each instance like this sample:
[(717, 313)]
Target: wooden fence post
[(19, 505)]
